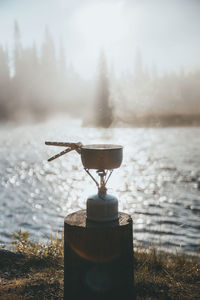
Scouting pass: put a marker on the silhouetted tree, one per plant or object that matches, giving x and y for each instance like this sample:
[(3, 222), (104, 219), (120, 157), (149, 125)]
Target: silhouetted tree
[(61, 78), (4, 84), (17, 48), (17, 80), (48, 54), (48, 71), (138, 65), (103, 110), (62, 61)]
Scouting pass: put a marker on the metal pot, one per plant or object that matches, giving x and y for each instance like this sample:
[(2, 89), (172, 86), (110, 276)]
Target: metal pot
[(97, 156), (101, 156)]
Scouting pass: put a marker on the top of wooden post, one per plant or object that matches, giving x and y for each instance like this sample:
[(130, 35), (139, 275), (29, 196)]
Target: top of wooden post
[(78, 218)]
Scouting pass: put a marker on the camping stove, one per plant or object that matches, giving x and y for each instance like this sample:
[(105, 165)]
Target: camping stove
[(103, 158)]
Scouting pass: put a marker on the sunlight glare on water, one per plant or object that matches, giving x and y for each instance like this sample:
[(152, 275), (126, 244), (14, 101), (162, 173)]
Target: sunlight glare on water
[(158, 182)]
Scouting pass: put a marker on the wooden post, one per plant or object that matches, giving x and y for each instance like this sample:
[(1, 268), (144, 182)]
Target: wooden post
[(98, 258)]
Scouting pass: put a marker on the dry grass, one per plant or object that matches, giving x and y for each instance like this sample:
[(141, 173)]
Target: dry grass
[(161, 275), (35, 271)]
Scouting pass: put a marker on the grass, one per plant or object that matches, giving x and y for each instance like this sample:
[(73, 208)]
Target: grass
[(36, 271)]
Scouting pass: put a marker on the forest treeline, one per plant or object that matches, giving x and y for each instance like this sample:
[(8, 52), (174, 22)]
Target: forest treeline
[(36, 82), (147, 98)]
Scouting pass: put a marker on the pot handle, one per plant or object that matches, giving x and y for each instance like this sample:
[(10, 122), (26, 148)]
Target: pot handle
[(72, 146)]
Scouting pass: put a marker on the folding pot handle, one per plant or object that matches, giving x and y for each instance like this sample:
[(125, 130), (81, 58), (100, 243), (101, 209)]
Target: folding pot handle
[(63, 144), (72, 146)]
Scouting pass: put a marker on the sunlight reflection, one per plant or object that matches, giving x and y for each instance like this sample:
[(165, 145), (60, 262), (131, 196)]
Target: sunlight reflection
[(151, 192)]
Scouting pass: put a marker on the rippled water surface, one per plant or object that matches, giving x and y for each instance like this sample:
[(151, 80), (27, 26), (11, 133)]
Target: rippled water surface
[(158, 182)]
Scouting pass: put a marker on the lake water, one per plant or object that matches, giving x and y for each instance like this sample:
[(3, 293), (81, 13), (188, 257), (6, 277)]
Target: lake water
[(158, 182)]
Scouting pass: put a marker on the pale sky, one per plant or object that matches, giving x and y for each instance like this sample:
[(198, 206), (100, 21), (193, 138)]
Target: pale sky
[(166, 31)]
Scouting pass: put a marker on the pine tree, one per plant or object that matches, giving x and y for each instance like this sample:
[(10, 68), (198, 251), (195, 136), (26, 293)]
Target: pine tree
[(61, 77), (138, 65), (17, 48), (48, 54), (48, 84), (17, 83), (103, 110), (61, 60), (4, 84)]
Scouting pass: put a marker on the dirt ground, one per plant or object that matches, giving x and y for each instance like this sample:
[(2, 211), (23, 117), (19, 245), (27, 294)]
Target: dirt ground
[(157, 276)]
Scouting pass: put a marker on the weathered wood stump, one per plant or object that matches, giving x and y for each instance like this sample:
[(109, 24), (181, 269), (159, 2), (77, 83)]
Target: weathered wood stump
[(98, 258)]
